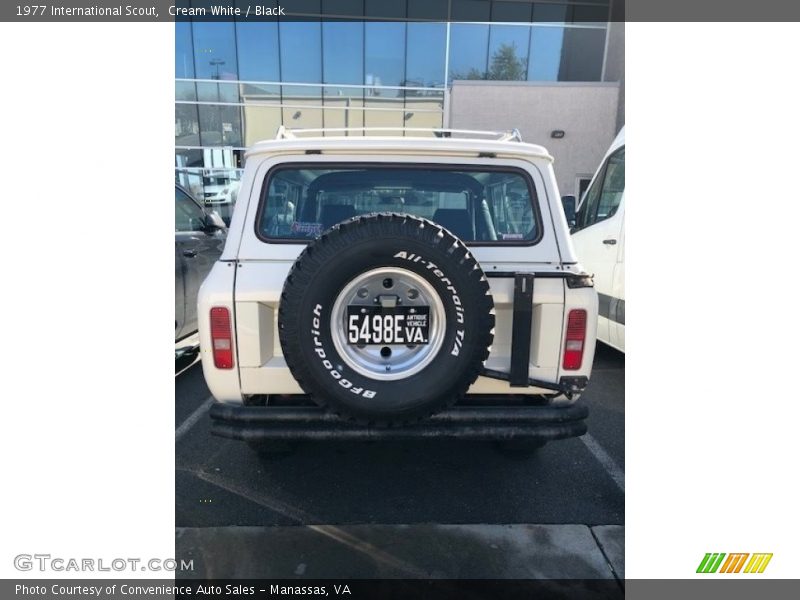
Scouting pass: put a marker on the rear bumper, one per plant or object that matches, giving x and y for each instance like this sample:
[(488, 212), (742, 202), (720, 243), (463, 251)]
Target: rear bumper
[(488, 421)]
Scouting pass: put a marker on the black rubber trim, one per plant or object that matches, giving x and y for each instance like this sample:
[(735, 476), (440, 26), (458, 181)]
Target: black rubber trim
[(252, 423), (547, 385), (611, 308), (521, 327), (574, 280)]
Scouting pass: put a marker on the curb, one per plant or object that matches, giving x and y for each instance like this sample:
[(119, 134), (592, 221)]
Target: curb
[(423, 551)]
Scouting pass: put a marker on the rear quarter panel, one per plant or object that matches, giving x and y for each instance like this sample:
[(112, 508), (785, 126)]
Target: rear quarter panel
[(217, 290)]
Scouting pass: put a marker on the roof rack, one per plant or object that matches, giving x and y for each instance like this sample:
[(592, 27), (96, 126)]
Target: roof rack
[(512, 135)]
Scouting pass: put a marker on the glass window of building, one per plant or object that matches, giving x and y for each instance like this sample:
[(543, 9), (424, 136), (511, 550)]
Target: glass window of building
[(343, 63), (215, 50), (220, 125), (385, 50), (425, 67), (189, 178), (188, 159), (258, 53), (505, 40), (344, 8), (566, 54), (184, 57), (470, 10), (394, 9), (187, 125), (550, 13), (215, 58), (428, 9), (301, 51), (257, 45), (343, 53), (425, 54), (582, 54), (301, 62), (508, 52), (308, 7), (511, 12), (544, 58), (384, 65), (590, 14), (469, 45)]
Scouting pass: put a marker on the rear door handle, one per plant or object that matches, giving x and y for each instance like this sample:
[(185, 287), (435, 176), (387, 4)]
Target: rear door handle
[(190, 253), (610, 241)]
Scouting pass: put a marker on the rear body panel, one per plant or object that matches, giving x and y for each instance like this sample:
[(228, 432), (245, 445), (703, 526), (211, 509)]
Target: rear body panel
[(263, 369), (252, 280)]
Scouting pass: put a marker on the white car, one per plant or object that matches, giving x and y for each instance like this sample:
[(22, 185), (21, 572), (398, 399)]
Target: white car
[(398, 287), (599, 240), (219, 188)]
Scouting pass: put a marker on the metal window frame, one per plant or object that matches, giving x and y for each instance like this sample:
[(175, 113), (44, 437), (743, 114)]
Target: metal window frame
[(313, 85)]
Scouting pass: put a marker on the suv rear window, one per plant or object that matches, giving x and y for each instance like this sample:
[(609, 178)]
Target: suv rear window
[(478, 205)]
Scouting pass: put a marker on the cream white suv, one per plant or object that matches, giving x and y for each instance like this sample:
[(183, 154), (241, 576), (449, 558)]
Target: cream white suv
[(398, 287)]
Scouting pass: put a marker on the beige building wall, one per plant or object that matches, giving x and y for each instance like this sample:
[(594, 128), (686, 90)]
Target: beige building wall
[(263, 114), (587, 113)]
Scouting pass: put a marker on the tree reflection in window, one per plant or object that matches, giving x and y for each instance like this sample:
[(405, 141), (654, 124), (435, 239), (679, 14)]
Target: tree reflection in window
[(505, 65)]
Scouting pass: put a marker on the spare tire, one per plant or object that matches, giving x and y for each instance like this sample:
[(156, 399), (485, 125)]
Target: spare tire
[(386, 319)]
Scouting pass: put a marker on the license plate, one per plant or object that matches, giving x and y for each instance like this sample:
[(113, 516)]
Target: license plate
[(377, 325)]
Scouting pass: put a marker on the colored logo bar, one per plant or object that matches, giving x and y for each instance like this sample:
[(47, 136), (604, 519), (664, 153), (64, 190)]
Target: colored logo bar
[(716, 561)]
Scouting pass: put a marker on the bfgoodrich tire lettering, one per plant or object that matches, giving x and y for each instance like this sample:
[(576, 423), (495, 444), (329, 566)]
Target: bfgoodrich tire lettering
[(406, 244)]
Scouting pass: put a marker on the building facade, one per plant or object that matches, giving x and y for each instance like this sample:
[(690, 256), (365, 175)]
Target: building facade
[(540, 67)]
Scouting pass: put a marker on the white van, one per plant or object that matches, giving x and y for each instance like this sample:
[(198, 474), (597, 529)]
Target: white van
[(599, 240)]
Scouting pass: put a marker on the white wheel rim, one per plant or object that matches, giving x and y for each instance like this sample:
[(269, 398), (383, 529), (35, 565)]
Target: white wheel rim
[(403, 360)]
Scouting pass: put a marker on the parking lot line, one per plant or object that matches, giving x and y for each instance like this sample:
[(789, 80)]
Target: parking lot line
[(605, 459), (193, 418), (183, 368)]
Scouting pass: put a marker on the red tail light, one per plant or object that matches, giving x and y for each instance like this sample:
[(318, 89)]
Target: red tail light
[(221, 339), (576, 336)]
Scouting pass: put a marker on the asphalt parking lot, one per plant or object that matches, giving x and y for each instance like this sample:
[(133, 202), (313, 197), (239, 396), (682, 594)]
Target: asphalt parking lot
[(222, 484)]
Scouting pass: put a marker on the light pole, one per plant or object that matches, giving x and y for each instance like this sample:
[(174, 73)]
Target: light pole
[(216, 62)]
